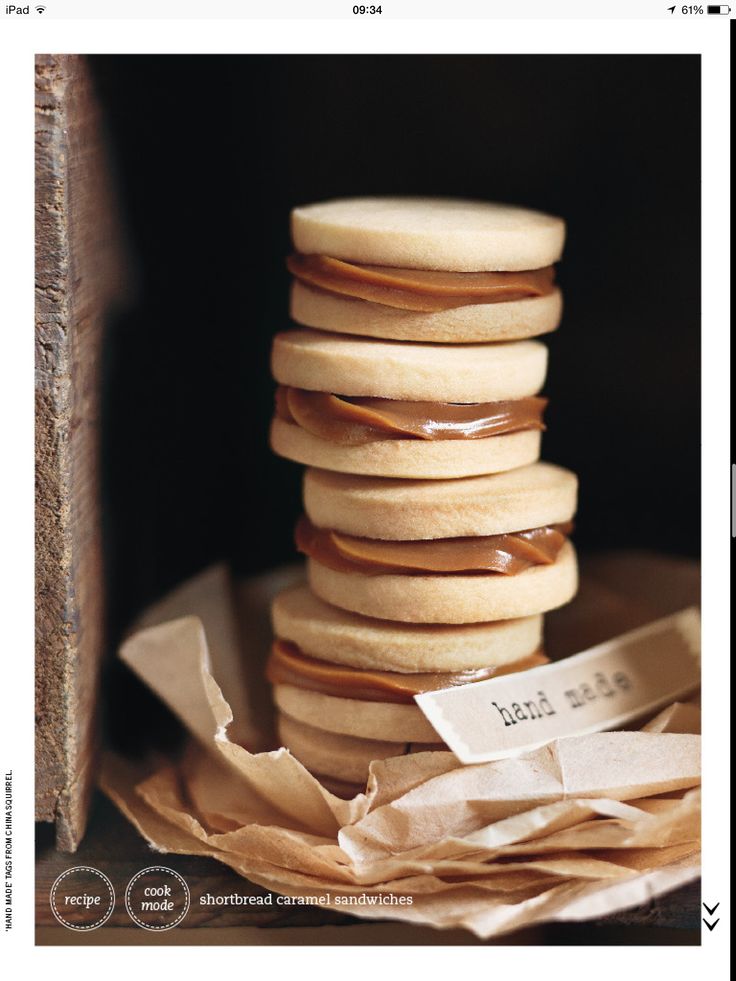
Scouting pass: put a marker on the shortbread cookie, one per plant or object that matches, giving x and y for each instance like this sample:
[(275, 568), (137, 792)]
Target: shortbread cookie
[(429, 233), (449, 598), (351, 717), (343, 757), (407, 410), (360, 366), (369, 704), (476, 323), (516, 561), (408, 458), (334, 634), (369, 507)]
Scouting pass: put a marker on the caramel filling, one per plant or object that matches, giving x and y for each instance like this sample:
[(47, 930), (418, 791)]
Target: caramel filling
[(287, 665), (424, 290), (353, 421), (507, 554)]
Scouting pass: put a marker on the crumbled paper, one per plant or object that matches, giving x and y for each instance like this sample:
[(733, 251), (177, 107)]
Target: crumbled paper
[(578, 828)]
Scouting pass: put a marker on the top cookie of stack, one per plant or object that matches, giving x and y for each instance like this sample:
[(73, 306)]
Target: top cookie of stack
[(418, 361), (426, 269)]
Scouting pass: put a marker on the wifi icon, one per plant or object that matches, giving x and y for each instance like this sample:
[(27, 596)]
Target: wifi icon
[(40, 10)]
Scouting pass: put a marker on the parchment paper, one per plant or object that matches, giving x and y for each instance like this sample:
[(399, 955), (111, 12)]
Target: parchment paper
[(578, 828)]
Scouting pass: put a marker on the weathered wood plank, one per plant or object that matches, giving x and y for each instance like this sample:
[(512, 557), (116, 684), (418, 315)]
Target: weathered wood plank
[(78, 278)]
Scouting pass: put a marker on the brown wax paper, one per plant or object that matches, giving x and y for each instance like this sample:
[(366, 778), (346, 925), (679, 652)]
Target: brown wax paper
[(578, 828)]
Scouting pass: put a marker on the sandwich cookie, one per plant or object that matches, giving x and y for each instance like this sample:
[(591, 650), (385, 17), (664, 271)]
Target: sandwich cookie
[(470, 550), (395, 409), (342, 758), (368, 704), (426, 269), (354, 676), (329, 633)]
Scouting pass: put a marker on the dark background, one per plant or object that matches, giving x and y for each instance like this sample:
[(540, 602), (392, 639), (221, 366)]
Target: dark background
[(212, 152)]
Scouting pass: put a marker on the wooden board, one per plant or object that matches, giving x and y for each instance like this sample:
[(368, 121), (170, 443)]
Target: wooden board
[(78, 278)]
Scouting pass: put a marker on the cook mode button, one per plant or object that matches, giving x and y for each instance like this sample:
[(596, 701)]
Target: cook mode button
[(157, 898)]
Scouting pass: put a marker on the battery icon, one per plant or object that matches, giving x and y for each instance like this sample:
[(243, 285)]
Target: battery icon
[(715, 9)]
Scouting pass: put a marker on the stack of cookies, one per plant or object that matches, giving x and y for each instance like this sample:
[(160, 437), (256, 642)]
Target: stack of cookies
[(435, 539)]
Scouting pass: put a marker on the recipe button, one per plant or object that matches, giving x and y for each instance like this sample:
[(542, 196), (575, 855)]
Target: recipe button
[(82, 898)]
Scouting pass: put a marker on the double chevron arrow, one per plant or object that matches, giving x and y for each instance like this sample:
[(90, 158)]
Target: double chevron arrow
[(710, 911)]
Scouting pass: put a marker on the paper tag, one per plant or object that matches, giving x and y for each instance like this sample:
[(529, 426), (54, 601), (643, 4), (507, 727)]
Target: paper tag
[(601, 688)]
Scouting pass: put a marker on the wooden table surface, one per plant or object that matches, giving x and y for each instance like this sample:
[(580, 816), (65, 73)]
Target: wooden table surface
[(114, 847), (652, 586)]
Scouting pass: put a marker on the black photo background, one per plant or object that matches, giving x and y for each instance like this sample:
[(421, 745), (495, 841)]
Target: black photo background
[(211, 153)]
